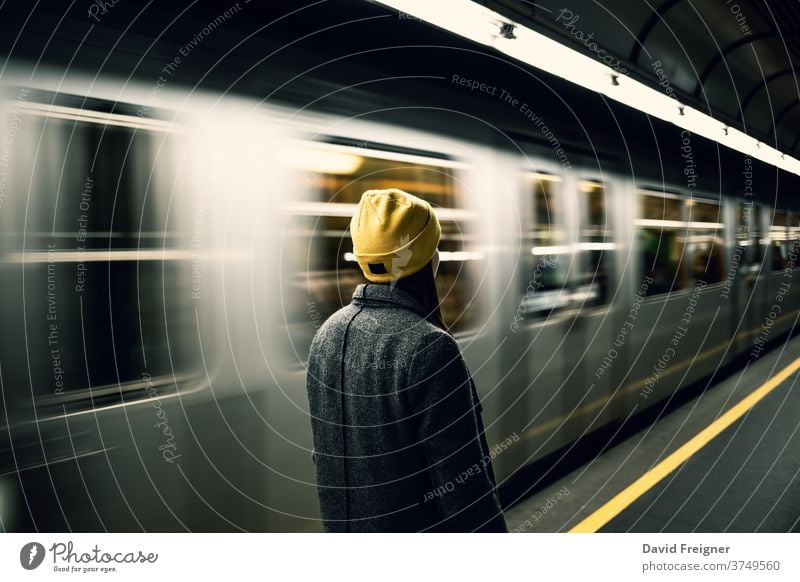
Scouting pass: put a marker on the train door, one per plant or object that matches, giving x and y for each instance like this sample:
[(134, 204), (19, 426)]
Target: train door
[(779, 318), (658, 354), (706, 313), (753, 286), (595, 338), (682, 331), (544, 313)]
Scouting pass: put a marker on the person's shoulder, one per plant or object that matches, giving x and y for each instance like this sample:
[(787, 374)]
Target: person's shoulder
[(433, 344), (430, 332), (335, 323)]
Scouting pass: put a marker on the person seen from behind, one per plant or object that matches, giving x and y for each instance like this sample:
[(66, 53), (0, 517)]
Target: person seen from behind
[(399, 442)]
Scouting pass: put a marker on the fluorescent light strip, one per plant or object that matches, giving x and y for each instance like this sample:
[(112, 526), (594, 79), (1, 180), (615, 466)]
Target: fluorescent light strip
[(676, 223), (444, 256), (482, 25), (89, 116), (566, 249), (29, 257), (347, 210), (552, 250), (597, 246)]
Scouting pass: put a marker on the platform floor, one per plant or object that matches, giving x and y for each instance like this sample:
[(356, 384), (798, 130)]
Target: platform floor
[(746, 479)]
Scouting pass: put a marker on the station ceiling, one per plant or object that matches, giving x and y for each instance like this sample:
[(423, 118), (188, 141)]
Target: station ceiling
[(737, 60), (356, 57)]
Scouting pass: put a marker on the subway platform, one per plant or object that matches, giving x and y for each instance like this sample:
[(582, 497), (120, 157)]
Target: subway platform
[(726, 460)]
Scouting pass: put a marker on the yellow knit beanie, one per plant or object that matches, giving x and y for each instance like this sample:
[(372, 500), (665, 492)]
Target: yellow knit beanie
[(394, 234)]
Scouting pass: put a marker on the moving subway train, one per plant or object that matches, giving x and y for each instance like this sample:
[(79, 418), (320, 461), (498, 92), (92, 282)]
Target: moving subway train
[(166, 258)]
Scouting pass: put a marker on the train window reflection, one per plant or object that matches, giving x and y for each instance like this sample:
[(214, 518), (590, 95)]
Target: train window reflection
[(745, 226), (682, 241), (94, 259), (340, 174), (661, 238), (101, 183), (759, 239), (596, 244), (704, 243), (779, 241), (704, 211), (324, 272), (660, 208), (544, 285)]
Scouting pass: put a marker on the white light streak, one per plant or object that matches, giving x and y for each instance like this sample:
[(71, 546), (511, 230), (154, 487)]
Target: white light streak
[(89, 116), (656, 223), (444, 256), (97, 256), (567, 249)]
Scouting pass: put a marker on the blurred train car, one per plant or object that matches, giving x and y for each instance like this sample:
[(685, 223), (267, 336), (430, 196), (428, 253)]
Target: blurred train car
[(163, 270)]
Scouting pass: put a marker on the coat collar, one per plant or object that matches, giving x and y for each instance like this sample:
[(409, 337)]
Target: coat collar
[(379, 294)]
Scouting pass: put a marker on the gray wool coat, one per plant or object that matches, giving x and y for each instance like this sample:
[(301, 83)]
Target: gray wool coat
[(399, 442)]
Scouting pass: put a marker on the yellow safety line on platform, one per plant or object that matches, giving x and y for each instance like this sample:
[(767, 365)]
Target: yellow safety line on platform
[(636, 489)]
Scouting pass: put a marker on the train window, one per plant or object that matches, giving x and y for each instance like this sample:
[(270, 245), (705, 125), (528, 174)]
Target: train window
[(743, 226), (704, 243), (779, 241), (759, 239), (340, 174), (681, 241), (596, 243), (661, 208), (544, 285), (745, 238), (662, 233), (106, 275), (704, 211), (324, 273)]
